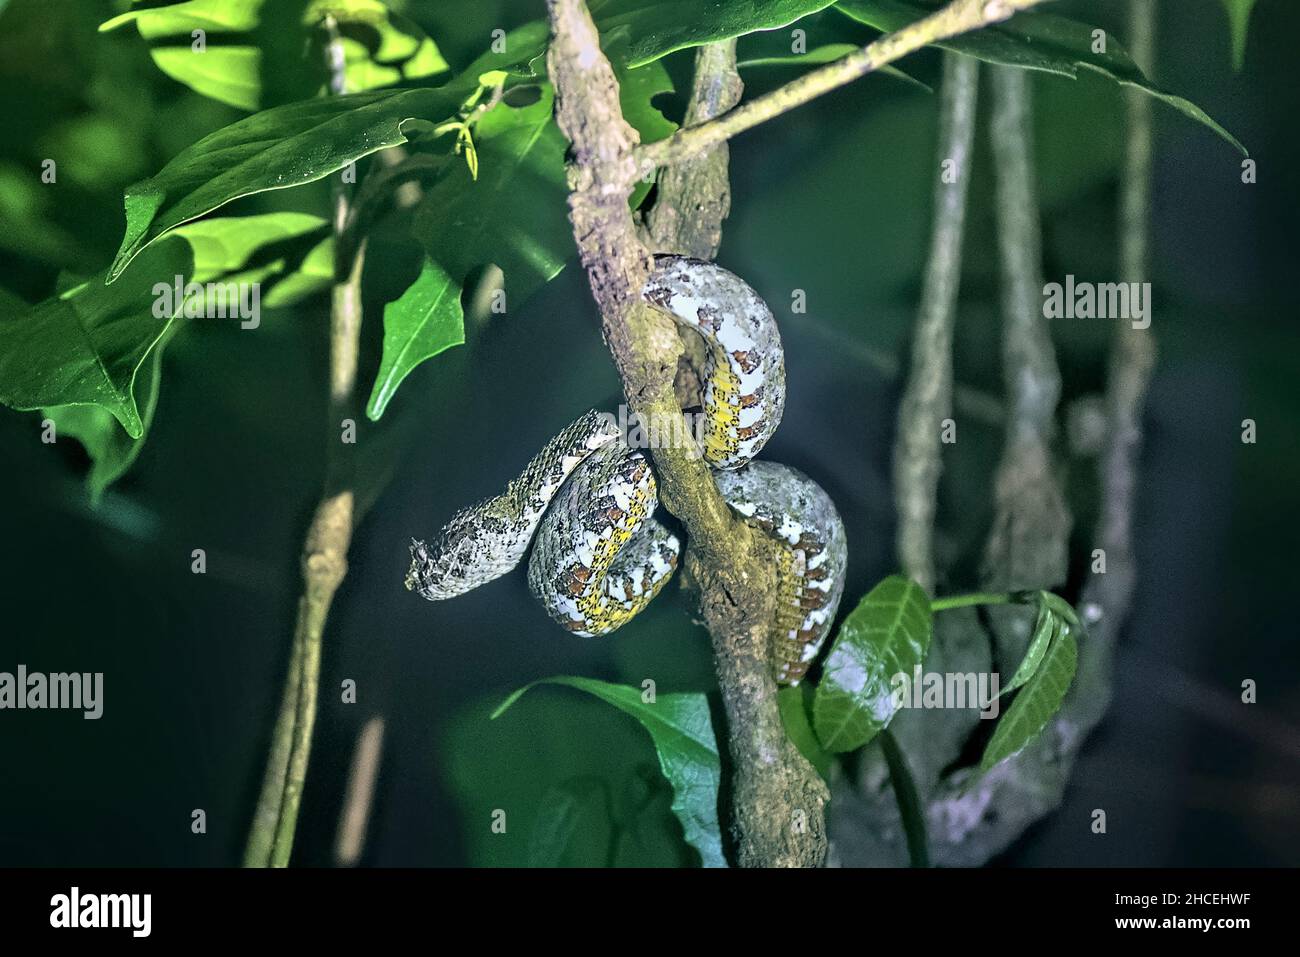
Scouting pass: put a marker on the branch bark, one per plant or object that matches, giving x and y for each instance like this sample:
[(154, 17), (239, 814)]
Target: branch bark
[(927, 400), (1028, 546), (959, 16), (778, 798)]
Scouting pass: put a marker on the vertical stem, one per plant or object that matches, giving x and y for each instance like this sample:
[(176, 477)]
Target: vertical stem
[(1133, 352), (927, 400), (324, 557), (1028, 544), (909, 802)]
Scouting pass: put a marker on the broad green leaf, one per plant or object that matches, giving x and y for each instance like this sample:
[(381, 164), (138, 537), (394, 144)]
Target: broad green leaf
[(425, 320), (574, 826), (275, 149), (380, 46), (85, 346), (793, 705), (1035, 41), (546, 741), (655, 28), (682, 732), (314, 273), (886, 635), (112, 452), (514, 213), (636, 89), (646, 30), (1238, 25), (1036, 702), (227, 243)]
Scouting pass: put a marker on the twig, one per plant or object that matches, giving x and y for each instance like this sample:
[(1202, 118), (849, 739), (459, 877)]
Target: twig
[(777, 796), (324, 557), (959, 16), (927, 400)]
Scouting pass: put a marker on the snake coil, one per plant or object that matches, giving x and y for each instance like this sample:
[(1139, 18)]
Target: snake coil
[(589, 499)]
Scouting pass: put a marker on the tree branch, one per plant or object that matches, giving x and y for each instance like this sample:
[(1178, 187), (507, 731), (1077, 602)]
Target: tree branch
[(1028, 546), (927, 400), (1107, 598), (778, 798), (325, 548), (959, 16)]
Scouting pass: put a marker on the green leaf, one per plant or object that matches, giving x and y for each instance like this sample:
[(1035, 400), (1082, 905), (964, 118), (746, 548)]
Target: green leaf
[(425, 320), (513, 214), (793, 705), (574, 826), (1034, 706), (1060, 607), (636, 90), (275, 149), (682, 732), (1238, 25), (380, 47), (112, 452), (227, 243), (314, 273), (887, 634), (1046, 627), (84, 346), (1033, 40), (655, 28)]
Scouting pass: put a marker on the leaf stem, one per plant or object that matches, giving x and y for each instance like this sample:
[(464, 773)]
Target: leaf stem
[(909, 801), (977, 598)]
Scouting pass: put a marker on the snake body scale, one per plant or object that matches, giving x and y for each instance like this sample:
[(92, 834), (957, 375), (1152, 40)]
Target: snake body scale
[(589, 499)]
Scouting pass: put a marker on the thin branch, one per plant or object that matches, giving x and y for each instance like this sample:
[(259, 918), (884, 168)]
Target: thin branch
[(1133, 353), (959, 16), (927, 401), (325, 548), (778, 798)]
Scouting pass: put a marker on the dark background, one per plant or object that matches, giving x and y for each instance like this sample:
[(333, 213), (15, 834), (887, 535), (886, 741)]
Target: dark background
[(832, 199)]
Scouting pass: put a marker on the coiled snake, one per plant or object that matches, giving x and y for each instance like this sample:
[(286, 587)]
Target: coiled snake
[(589, 498)]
